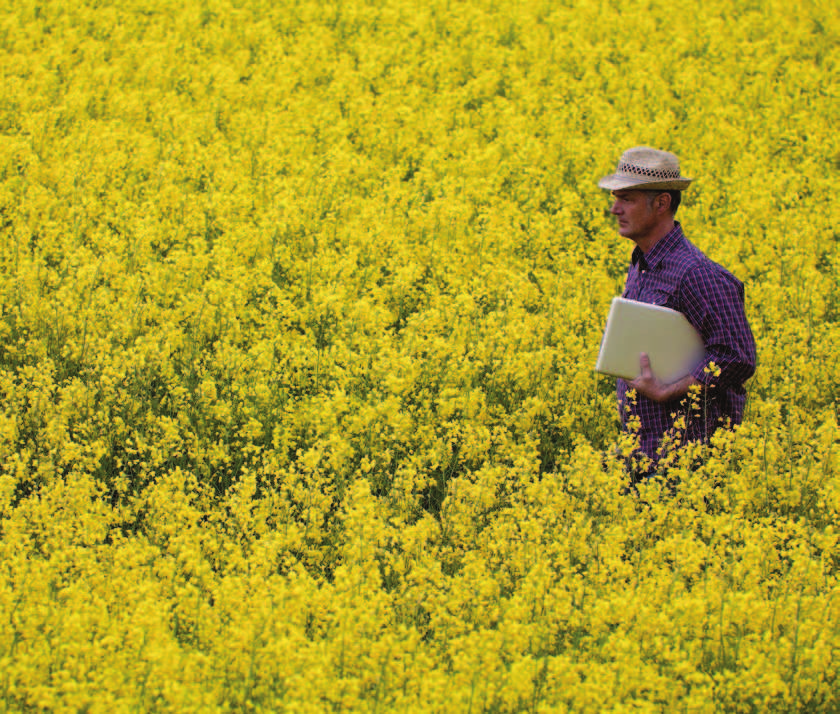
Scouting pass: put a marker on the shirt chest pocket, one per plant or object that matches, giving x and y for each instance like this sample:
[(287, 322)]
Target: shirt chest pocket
[(659, 296)]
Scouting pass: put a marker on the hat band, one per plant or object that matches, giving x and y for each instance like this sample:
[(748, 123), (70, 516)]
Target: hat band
[(650, 173)]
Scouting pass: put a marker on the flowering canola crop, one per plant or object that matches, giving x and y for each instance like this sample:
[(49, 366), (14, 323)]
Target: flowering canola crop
[(300, 305)]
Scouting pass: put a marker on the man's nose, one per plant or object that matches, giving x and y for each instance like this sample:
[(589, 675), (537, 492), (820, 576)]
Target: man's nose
[(614, 208)]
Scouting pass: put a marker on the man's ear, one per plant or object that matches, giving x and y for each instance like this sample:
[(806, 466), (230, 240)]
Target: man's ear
[(663, 202)]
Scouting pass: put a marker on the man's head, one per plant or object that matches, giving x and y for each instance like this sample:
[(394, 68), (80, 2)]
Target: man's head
[(646, 190)]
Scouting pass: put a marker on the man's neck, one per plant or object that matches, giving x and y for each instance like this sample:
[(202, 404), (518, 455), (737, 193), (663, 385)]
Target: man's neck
[(646, 243)]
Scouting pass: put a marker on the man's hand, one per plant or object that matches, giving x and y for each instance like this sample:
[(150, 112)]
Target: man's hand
[(649, 386), (646, 384)]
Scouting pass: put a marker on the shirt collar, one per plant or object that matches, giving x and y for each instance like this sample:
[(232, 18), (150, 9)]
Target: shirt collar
[(663, 246)]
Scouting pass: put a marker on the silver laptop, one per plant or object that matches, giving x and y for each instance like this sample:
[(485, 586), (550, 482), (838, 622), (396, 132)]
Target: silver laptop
[(674, 347)]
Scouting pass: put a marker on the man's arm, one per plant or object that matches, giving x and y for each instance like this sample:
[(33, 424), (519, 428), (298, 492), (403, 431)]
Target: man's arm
[(713, 301), (649, 386)]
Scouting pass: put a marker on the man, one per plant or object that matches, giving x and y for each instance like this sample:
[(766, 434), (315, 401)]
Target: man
[(667, 270)]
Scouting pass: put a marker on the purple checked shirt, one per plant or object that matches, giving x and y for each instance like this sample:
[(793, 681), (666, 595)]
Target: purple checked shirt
[(674, 273)]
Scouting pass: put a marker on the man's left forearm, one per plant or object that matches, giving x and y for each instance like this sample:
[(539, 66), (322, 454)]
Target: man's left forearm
[(649, 386)]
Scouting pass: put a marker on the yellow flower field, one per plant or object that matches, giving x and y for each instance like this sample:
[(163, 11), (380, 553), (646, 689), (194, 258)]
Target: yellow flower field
[(300, 307)]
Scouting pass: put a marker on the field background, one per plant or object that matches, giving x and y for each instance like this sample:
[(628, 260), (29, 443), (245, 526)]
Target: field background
[(300, 304)]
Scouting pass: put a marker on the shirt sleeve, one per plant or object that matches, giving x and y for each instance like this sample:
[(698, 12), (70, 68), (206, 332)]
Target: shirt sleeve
[(713, 301)]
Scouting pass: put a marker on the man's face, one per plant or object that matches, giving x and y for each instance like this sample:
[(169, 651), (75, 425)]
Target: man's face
[(635, 213)]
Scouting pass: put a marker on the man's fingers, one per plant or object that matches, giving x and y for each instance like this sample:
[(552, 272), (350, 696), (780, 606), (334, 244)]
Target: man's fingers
[(644, 363)]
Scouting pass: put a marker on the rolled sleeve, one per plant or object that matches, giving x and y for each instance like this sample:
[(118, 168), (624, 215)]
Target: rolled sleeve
[(713, 301)]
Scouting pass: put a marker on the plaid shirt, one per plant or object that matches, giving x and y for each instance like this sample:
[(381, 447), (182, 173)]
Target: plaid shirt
[(674, 273)]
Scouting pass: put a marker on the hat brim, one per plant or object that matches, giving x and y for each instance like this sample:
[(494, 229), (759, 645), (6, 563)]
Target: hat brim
[(616, 182)]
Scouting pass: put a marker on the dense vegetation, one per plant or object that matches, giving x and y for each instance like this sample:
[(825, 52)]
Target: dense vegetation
[(300, 305)]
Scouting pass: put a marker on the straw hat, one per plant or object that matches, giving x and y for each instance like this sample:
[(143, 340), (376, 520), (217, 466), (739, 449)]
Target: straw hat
[(644, 168)]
